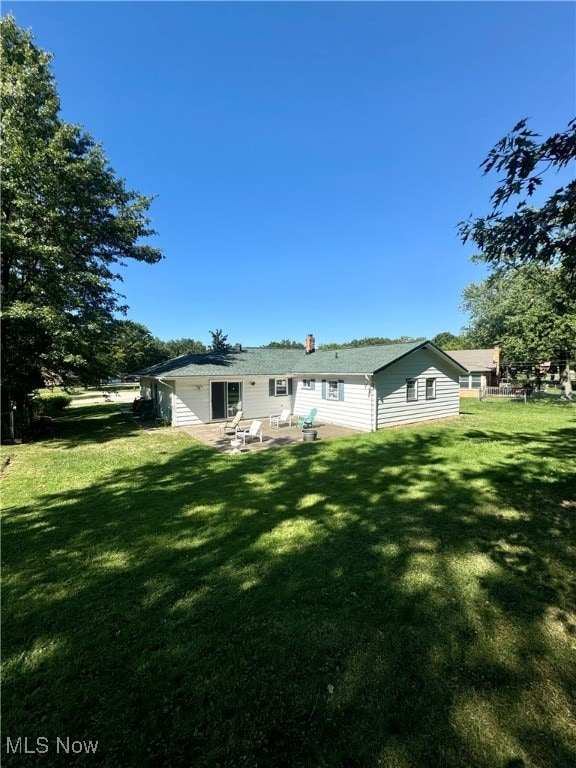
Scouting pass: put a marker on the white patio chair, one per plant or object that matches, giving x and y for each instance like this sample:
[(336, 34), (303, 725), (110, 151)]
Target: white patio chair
[(252, 433), (281, 418)]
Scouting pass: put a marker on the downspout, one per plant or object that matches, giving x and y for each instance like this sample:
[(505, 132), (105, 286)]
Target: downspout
[(172, 396), (372, 391)]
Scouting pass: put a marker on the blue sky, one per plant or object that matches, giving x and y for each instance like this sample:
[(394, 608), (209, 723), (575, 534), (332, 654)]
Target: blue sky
[(311, 159)]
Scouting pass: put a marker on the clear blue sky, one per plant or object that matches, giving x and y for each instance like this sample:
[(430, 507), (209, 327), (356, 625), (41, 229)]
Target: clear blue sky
[(311, 160)]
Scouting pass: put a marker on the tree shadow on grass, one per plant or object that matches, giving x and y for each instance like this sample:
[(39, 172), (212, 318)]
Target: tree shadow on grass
[(364, 603)]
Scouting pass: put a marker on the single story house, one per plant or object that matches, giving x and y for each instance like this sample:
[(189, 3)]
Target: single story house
[(483, 368), (366, 388)]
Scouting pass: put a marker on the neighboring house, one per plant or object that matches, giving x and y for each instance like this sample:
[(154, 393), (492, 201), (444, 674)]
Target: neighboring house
[(483, 366), (366, 388)]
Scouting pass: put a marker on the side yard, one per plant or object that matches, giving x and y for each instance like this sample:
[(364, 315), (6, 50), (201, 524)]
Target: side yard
[(405, 598)]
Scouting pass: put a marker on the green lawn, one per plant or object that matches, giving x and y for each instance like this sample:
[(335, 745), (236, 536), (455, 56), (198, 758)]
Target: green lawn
[(401, 599)]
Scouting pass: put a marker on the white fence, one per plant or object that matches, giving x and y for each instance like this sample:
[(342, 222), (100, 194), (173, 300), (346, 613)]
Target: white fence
[(518, 393)]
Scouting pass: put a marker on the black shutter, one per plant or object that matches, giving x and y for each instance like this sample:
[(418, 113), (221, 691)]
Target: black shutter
[(272, 387), (289, 386)]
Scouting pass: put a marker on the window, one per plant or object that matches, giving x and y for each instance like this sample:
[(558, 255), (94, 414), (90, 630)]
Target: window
[(279, 387), (430, 389), (411, 390), (472, 381), (333, 390), (308, 383)]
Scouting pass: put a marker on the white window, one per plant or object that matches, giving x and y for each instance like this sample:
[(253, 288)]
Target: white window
[(308, 383), (472, 381), (411, 390), (430, 389), (332, 390), (281, 387)]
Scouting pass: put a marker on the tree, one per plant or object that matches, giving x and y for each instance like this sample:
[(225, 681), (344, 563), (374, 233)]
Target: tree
[(514, 235), (67, 225), (528, 313), (132, 347), (177, 347), (285, 344), (448, 341), (219, 341)]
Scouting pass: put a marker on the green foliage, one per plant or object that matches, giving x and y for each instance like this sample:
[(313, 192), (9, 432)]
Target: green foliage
[(526, 312), (67, 225), (447, 341), (528, 235), (285, 344), (51, 403), (178, 347), (369, 341), (219, 341)]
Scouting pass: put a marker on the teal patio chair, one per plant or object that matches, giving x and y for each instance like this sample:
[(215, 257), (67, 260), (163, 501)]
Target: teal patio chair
[(306, 421)]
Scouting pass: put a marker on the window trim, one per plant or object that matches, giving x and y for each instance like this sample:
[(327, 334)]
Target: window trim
[(332, 389), (415, 390), (273, 387), (433, 395), (339, 391)]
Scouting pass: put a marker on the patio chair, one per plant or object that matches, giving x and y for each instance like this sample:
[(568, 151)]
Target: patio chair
[(306, 421), (281, 418), (254, 432), (230, 427)]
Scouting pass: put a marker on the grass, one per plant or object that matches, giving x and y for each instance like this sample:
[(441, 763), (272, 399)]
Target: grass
[(402, 599)]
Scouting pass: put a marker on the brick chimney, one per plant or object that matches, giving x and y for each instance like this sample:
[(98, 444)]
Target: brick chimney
[(310, 344), (497, 359)]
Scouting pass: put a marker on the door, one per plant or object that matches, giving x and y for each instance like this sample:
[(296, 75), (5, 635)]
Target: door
[(226, 398), (233, 401), (218, 399)]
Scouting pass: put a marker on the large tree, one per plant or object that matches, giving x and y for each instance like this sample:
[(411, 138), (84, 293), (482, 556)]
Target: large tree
[(515, 233), (185, 346), (528, 314), (68, 224), (447, 340)]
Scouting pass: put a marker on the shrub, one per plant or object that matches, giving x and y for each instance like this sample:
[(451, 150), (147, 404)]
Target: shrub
[(52, 403)]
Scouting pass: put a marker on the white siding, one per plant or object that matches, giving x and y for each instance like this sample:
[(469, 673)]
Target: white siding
[(391, 390), (353, 411), (161, 393), (164, 400), (192, 399), (191, 402), (258, 404)]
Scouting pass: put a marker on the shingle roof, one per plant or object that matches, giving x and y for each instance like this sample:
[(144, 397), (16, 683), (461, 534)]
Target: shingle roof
[(354, 359), (261, 361), (251, 361), (475, 359)]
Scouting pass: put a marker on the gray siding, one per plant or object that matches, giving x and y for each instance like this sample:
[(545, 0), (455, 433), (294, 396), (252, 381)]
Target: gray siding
[(390, 385)]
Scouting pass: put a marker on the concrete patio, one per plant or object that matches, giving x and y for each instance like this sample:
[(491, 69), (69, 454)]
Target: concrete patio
[(272, 437)]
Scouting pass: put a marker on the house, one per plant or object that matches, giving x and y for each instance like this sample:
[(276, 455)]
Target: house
[(483, 366), (366, 388)]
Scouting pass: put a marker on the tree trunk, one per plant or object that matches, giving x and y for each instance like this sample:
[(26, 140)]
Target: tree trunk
[(565, 377)]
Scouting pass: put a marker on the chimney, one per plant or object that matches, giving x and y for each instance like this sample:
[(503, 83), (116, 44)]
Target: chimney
[(497, 359), (310, 344)]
